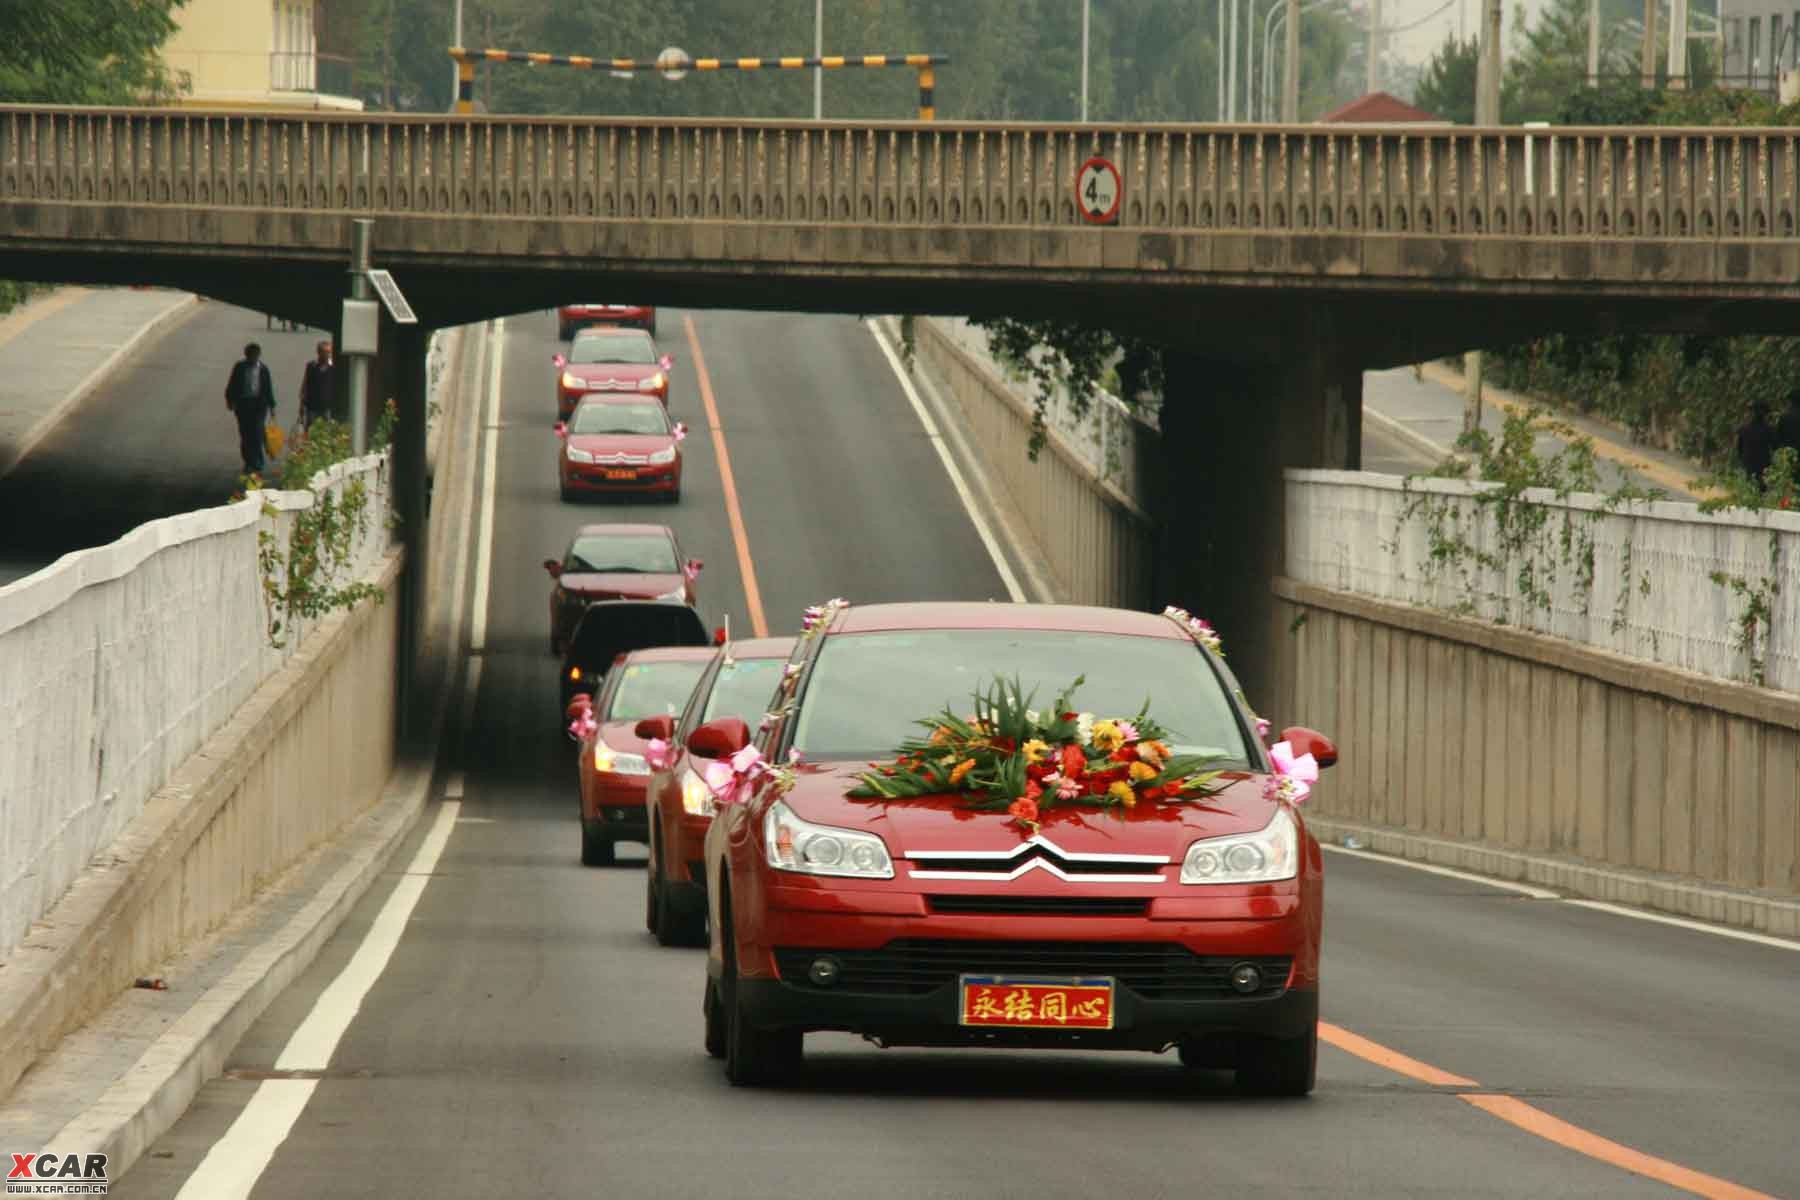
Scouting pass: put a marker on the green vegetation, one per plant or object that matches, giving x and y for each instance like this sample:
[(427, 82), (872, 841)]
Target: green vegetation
[(85, 51)]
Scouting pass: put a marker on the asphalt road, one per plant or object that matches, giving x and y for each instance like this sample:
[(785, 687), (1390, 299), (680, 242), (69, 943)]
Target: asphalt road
[(152, 441), (527, 1037)]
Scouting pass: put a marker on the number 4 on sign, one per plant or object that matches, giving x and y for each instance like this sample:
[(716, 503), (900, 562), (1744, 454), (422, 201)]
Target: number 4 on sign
[(1098, 191)]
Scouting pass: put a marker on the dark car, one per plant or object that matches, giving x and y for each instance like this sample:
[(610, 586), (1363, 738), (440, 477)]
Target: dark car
[(611, 628)]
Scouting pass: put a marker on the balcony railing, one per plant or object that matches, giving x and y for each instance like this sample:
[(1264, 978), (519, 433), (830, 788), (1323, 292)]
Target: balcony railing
[(307, 71)]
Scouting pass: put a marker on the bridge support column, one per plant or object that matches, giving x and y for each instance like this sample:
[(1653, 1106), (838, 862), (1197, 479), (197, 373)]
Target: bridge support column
[(405, 351), (1228, 432)]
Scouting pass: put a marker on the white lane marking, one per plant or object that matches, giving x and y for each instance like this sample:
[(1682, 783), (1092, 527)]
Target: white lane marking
[(236, 1161), (936, 438), (1637, 914), (490, 451), (1523, 889)]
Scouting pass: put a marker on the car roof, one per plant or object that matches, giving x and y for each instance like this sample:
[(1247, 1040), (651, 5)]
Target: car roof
[(656, 654), (1066, 618), (612, 331), (622, 529), (773, 647)]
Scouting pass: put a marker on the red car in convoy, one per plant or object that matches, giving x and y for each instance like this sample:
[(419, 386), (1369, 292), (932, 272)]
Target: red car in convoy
[(616, 562), (642, 684), (614, 361), (1192, 925), (571, 318), (738, 682), (614, 443)]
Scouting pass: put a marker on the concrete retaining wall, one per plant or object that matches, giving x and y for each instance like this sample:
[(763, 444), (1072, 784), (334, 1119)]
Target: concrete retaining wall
[(118, 663), (1523, 755), (1097, 541)]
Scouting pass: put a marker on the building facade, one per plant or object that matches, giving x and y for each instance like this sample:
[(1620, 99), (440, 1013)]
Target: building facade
[(281, 54), (1762, 43)]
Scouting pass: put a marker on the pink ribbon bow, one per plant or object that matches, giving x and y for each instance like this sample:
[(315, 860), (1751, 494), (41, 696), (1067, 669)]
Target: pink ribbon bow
[(1294, 777), (584, 726), (731, 779), (659, 754)]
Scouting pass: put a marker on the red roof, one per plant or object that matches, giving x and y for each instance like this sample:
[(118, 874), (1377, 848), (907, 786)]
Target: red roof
[(1379, 108)]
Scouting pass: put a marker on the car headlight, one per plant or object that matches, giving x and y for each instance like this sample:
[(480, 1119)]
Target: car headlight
[(660, 458), (652, 383), (579, 455), (574, 382), (1269, 854), (618, 762), (796, 845), (696, 797), (676, 594)]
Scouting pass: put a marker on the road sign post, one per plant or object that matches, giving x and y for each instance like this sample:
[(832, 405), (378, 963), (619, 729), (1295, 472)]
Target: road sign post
[(1099, 190)]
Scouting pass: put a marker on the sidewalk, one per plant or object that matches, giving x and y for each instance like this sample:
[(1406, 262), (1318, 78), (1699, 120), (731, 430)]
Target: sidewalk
[(57, 348), (1426, 414)]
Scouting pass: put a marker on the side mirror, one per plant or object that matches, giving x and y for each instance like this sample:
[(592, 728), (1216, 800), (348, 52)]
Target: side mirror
[(655, 727), (1307, 741), (554, 567), (562, 429), (559, 360), (681, 429), (667, 361), (693, 568), (580, 705), (719, 636), (719, 739)]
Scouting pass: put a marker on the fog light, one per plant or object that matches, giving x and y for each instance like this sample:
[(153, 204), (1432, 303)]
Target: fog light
[(1246, 979), (824, 971)]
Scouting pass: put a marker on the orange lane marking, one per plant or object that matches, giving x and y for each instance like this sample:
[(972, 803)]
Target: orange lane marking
[(752, 595), (1393, 1060), (1536, 1121)]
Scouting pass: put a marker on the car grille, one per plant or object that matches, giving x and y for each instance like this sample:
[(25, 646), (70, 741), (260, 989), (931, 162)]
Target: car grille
[(916, 967), (1031, 906)]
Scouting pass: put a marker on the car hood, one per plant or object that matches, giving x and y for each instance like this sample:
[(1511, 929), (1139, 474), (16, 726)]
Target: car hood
[(944, 823), (639, 444), (592, 372), (623, 586)]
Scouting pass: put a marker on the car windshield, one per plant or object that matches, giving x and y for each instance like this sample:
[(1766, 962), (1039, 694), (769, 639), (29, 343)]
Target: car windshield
[(623, 554), (614, 346), (653, 689), (743, 689), (867, 689), (611, 416)]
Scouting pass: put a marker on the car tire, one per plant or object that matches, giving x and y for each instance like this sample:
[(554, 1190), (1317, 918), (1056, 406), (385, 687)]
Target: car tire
[(754, 1057), (596, 851), (670, 927), (563, 493), (1280, 1066), (715, 1022)]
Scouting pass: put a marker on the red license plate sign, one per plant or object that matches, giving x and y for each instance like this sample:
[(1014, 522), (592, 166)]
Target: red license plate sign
[(621, 474), (1007, 1002)]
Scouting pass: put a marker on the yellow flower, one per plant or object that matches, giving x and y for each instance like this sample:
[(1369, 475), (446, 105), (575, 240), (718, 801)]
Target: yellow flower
[(1106, 737), (961, 771), (1153, 752), (1036, 750), (940, 735), (1121, 791), (1143, 771)]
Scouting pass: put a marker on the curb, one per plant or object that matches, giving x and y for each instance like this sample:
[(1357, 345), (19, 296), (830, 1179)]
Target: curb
[(1400, 431), (12, 456)]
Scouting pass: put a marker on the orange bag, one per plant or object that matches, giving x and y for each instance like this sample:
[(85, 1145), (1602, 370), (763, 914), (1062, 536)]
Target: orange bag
[(273, 439)]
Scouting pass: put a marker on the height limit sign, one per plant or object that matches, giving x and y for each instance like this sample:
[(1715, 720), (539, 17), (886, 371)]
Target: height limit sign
[(1098, 191)]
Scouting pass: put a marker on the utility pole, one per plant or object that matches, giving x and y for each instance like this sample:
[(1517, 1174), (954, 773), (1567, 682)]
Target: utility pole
[(1678, 28), (456, 40), (1223, 55), (1373, 82), (1593, 72), (359, 336), (818, 52), (1290, 82), (1487, 114), (1231, 66), (1649, 51), (1085, 14)]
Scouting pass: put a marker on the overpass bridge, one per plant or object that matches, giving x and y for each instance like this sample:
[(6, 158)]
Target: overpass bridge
[(1275, 262)]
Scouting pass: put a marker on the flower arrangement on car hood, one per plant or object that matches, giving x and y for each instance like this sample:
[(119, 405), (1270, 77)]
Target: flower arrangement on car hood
[(1006, 757)]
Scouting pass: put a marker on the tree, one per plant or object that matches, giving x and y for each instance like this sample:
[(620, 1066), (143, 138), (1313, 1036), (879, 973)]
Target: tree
[(85, 51), (1447, 89), (1548, 62)]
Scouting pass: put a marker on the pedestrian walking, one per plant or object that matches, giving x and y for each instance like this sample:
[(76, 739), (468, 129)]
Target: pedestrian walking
[(250, 397), (317, 386), (1756, 442)]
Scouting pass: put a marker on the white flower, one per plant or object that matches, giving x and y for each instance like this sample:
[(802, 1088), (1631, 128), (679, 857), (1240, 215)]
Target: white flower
[(1084, 727)]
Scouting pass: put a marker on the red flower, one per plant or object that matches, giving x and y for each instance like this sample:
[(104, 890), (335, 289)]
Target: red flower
[(1037, 771), (1005, 745), (1154, 793), (1024, 809), (1124, 754), (1074, 762)]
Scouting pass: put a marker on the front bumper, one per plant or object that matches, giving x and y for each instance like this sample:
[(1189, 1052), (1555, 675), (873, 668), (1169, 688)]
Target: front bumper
[(616, 801), (585, 477)]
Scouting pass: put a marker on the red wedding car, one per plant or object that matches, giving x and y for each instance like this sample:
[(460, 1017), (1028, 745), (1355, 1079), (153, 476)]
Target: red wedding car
[(616, 562), (610, 361), (1192, 925), (619, 444), (643, 684), (572, 317), (739, 682)]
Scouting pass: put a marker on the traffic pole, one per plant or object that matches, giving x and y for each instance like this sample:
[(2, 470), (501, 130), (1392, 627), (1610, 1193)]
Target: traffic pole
[(465, 83), (927, 94), (362, 238)]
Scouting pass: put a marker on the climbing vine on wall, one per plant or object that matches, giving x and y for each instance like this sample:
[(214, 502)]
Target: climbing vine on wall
[(1778, 488)]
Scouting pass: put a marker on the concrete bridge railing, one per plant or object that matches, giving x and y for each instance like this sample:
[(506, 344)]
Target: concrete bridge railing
[(1577, 184)]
